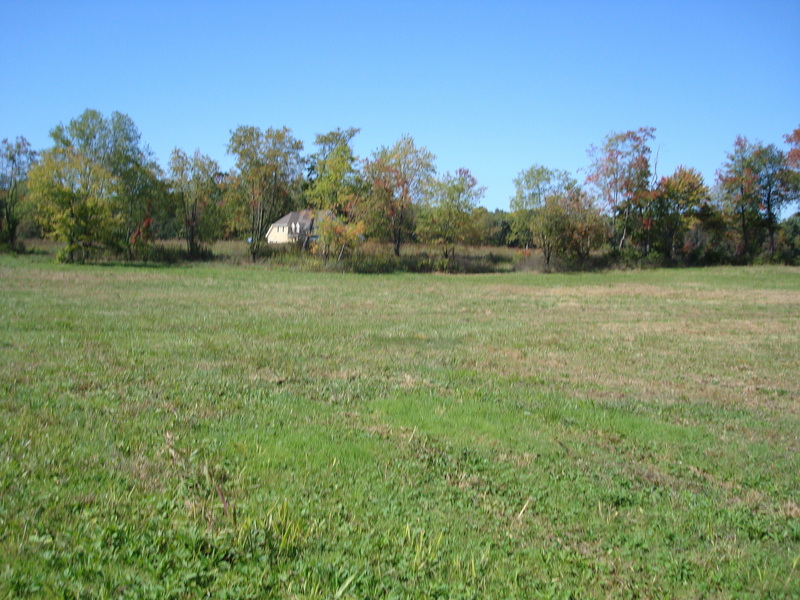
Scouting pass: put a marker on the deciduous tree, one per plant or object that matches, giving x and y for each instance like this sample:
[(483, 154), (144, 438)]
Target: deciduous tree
[(789, 239), (792, 174), (334, 179), (738, 182), (268, 169), (621, 173), (397, 179), (335, 186), (793, 155), (774, 187), (493, 228), (549, 227), (673, 209), (567, 224), (73, 198), (586, 227), (336, 236), (194, 182), (447, 219), (115, 144), (16, 159), (533, 187), (757, 182)]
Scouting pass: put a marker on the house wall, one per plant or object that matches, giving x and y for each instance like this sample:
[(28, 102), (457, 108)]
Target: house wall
[(278, 234), (289, 228), (281, 234)]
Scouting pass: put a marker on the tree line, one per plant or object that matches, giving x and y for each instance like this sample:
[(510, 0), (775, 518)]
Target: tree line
[(675, 219), (100, 191)]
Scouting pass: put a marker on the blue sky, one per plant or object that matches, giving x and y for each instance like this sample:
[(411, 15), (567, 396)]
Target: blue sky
[(492, 86)]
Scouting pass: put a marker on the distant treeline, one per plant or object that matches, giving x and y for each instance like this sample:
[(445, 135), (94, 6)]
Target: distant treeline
[(101, 192)]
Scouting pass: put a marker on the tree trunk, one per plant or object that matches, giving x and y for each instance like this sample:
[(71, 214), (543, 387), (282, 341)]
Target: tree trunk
[(547, 250), (745, 244), (624, 229), (770, 223)]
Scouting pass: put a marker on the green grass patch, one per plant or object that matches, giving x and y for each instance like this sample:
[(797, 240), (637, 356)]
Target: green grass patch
[(243, 432)]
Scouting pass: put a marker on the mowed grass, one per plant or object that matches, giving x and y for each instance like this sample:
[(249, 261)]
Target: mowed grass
[(240, 432)]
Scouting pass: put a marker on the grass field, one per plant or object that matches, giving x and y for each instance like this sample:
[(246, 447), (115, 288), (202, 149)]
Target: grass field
[(237, 432)]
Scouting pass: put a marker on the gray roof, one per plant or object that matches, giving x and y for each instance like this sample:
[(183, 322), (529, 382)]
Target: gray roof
[(304, 217)]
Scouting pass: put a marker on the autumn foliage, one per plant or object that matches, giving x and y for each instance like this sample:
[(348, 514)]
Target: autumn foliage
[(99, 191)]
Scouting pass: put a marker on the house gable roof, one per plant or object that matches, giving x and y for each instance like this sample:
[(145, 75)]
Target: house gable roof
[(304, 217)]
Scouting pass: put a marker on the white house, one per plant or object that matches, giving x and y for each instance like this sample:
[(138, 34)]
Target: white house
[(297, 225)]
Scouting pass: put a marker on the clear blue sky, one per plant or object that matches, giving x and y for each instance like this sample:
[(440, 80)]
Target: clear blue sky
[(491, 86)]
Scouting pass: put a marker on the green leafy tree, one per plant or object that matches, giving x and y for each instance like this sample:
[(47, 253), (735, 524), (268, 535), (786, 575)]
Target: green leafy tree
[(791, 176), (381, 207), (550, 227), (115, 145), (73, 197), (195, 184), (793, 155), (775, 187), (335, 185), (397, 180), (447, 219), (551, 211), (673, 209), (334, 180), (621, 173), (492, 228), (335, 236), (267, 175), (567, 224), (533, 186), (585, 225), (757, 182), (789, 240), (710, 238), (16, 160)]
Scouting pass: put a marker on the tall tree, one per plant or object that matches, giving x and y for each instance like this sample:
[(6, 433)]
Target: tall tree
[(493, 228), (72, 194), (335, 185), (194, 182), (738, 181), (533, 186), (549, 227), (397, 179), (621, 173), (382, 208), (115, 144), (334, 235), (333, 173), (447, 219), (268, 169), (758, 181), (773, 186), (16, 159), (674, 207), (567, 224), (793, 156), (792, 175), (789, 236), (586, 227)]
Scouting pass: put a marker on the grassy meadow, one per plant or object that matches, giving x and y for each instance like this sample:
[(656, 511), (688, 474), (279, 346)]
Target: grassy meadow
[(243, 432)]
